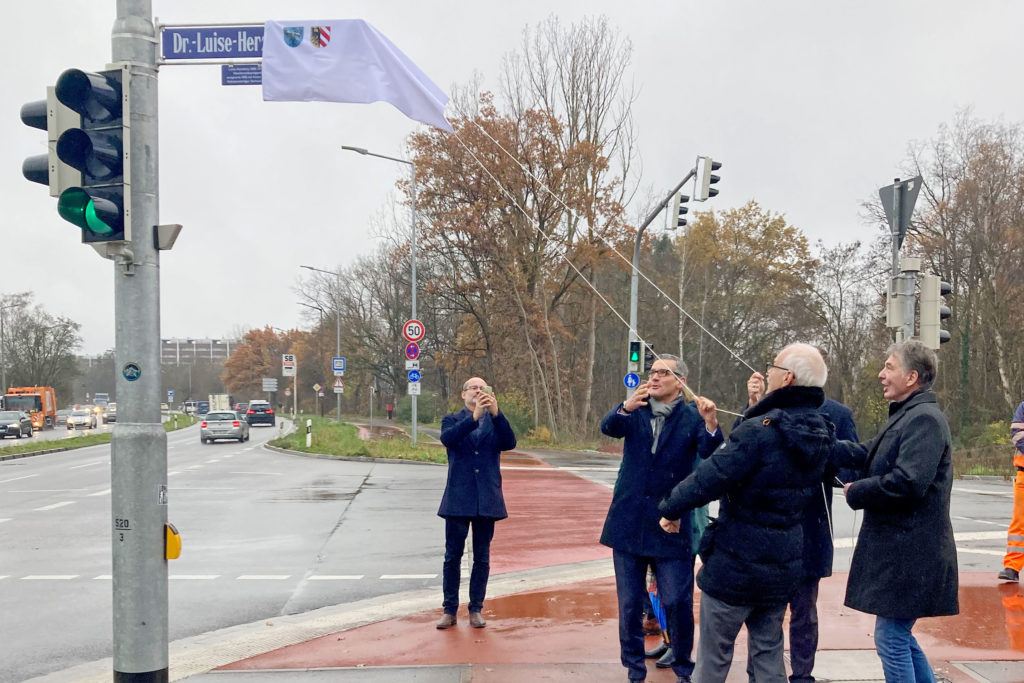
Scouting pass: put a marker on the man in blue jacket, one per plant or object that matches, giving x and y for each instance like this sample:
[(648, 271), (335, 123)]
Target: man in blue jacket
[(474, 437), (764, 478), (664, 438)]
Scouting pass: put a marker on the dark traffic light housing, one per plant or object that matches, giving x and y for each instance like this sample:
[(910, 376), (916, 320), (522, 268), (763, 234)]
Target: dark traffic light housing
[(704, 179), (648, 360), (933, 311), (87, 124), (679, 211)]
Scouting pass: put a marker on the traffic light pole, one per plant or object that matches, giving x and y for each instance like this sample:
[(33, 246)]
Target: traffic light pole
[(634, 281), (138, 464)]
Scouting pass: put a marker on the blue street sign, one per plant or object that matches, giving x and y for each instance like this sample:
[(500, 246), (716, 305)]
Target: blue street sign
[(338, 363), (222, 42), (414, 375), (241, 74), (170, 395), (631, 380)]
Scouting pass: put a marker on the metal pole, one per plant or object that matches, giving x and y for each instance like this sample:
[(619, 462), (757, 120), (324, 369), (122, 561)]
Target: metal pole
[(412, 175), (3, 360), (898, 290), (138, 461), (337, 319), (634, 280)]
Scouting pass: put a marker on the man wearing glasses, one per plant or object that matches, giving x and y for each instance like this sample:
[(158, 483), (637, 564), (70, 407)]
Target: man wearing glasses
[(763, 478), (474, 437), (663, 439)]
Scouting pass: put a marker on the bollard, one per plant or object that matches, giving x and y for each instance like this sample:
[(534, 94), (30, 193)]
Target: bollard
[(309, 433)]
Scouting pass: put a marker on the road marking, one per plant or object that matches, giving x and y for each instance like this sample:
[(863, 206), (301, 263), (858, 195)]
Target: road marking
[(408, 576), (5, 576), (171, 474), (49, 577), (27, 476), (88, 464), (214, 460), (979, 521), (100, 493), (194, 577), (5, 519), (55, 506), (1004, 494), (981, 551), (263, 577), (336, 577), (102, 577), (847, 542), (269, 474)]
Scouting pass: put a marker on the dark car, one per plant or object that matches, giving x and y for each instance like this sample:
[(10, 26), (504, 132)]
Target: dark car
[(15, 423), (260, 413)]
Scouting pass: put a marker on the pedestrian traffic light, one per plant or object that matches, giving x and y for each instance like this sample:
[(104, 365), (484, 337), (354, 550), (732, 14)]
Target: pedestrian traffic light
[(93, 140), (933, 311), (648, 360), (634, 356), (704, 179), (679, 211)]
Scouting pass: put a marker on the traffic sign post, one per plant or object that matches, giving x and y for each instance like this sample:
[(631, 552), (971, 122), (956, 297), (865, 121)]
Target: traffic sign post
[(631, 380), (412, 351), (414, 375), (339, 385), (338, 365), (413, 330)]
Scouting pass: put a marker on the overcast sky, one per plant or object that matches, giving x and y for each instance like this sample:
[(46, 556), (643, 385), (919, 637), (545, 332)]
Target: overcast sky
[(809, 105)]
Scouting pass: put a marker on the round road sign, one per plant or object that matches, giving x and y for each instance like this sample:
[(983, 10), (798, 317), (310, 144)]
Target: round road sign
[(412, 350), (413, 330)]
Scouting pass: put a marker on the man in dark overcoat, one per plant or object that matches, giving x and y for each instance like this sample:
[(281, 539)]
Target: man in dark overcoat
[(763, 477), (904, 564), (664, 437), (474, 437)]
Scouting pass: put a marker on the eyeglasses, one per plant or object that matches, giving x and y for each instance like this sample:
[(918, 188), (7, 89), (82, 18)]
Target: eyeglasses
[(474, 387), (769, 366), (661, 372)]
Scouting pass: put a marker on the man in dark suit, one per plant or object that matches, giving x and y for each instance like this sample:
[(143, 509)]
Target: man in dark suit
[(664, 438), (474, 437)]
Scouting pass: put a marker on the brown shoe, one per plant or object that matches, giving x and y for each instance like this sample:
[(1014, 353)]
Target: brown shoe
[(651, 626), (476, 620), (448, 620)]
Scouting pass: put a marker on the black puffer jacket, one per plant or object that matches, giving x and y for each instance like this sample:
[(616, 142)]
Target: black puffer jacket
[(764, 476)]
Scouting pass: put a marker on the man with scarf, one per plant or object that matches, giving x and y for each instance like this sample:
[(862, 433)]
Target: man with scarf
[(664, 437), (474, 437)]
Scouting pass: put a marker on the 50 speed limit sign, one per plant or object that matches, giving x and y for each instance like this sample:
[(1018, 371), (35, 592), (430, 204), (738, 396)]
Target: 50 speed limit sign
[(413, 330)]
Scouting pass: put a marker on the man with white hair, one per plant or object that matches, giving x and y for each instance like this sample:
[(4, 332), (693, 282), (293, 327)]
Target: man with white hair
[(763, 477)]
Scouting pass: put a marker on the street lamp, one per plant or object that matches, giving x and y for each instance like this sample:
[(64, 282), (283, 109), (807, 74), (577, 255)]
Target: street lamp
[(412, 249), (337, 318)]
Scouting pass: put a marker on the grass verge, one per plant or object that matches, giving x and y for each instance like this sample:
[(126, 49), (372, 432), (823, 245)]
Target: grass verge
[(82, 441), (331, 438)]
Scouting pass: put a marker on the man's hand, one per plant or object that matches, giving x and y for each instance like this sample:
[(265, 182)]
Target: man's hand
[(755, 388), (669, 525), (639, 398), (489, 403), (709, 411)]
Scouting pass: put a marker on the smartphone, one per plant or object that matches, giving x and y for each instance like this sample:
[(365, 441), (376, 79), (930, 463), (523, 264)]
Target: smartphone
[(488, 389)]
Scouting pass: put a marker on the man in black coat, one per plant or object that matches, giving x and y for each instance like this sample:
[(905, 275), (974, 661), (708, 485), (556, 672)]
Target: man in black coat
[(664, 438), (904, 564), (474, 437), (763, 477)]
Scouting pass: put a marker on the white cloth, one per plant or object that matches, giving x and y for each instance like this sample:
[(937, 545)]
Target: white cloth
[(346, 60)]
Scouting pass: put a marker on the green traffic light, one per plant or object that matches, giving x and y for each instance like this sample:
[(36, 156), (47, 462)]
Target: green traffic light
[(96, 215), (634, 352)]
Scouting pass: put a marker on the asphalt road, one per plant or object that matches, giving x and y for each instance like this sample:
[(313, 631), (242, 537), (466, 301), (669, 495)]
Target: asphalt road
[(264, 534)]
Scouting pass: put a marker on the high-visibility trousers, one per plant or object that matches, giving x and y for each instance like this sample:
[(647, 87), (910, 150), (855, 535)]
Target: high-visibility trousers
[(1014, 558)]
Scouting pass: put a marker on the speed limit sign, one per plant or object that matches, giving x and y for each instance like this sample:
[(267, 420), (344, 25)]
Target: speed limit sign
[(413, 330)]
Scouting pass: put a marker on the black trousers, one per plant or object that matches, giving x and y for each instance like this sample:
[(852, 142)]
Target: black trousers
[(456, 529)]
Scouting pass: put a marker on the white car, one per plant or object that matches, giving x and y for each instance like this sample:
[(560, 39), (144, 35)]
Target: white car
[(86, 419)]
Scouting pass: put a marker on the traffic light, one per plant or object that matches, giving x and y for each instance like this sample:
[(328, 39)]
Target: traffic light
[(648, 360), (94, 141), (634, 356), (704, 179), (679, 211), (933, 311)]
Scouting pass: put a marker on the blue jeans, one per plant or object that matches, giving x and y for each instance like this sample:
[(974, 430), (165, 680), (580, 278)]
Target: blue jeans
[(902, 658), (675, 589), (455, 531)]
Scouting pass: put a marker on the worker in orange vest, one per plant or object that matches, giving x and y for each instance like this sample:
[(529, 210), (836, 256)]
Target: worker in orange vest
[(1013, 561)]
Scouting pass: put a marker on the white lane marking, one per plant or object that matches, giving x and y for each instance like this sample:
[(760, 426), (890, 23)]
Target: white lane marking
[(100, 493), (46, 490), (27, 476), (263, 577), (55, 506), (103, 577), (979, 521), (195, 467), (214, 460), (1004, 494), (981, 551), (269, 474), (4, 519), (408, 576), (171, 474), (88, 464), (5, 576), (847, 542), (193, 577), (49, 577), (336, 577)]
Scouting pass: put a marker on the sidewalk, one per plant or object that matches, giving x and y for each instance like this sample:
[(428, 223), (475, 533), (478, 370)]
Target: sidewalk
[(552, 616)]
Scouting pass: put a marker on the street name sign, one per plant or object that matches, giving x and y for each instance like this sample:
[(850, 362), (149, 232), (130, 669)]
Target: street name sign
[(211, 42)]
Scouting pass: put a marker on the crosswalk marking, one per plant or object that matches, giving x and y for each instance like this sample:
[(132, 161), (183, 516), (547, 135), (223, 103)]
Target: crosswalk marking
[(55, 506)]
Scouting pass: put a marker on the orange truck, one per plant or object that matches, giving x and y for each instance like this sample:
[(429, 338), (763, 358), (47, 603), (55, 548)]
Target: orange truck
[(39, 402)]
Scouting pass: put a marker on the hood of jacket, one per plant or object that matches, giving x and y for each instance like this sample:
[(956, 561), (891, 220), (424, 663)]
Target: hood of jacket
[(794, 410)]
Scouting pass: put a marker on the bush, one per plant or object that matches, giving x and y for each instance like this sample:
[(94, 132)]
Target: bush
[(428, 408), (517, 411), (979, 435)]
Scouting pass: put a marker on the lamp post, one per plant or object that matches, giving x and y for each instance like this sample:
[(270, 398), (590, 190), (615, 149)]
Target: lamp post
[(337, 318), (634, 281), (412, 248)]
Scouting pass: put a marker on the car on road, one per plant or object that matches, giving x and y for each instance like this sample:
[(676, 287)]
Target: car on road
[(223, 424), (260, 412), (81, 417), (15, 423), (62, 416), (111, 415)]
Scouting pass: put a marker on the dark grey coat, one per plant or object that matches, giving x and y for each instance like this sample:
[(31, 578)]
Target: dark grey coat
[(904, 565)]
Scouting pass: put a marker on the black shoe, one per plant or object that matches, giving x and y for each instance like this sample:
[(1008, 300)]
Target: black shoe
[(667, 660), (657, 652), (1008, 574)]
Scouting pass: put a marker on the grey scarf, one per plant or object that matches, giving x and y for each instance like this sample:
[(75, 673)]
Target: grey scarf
[(660, 411)]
